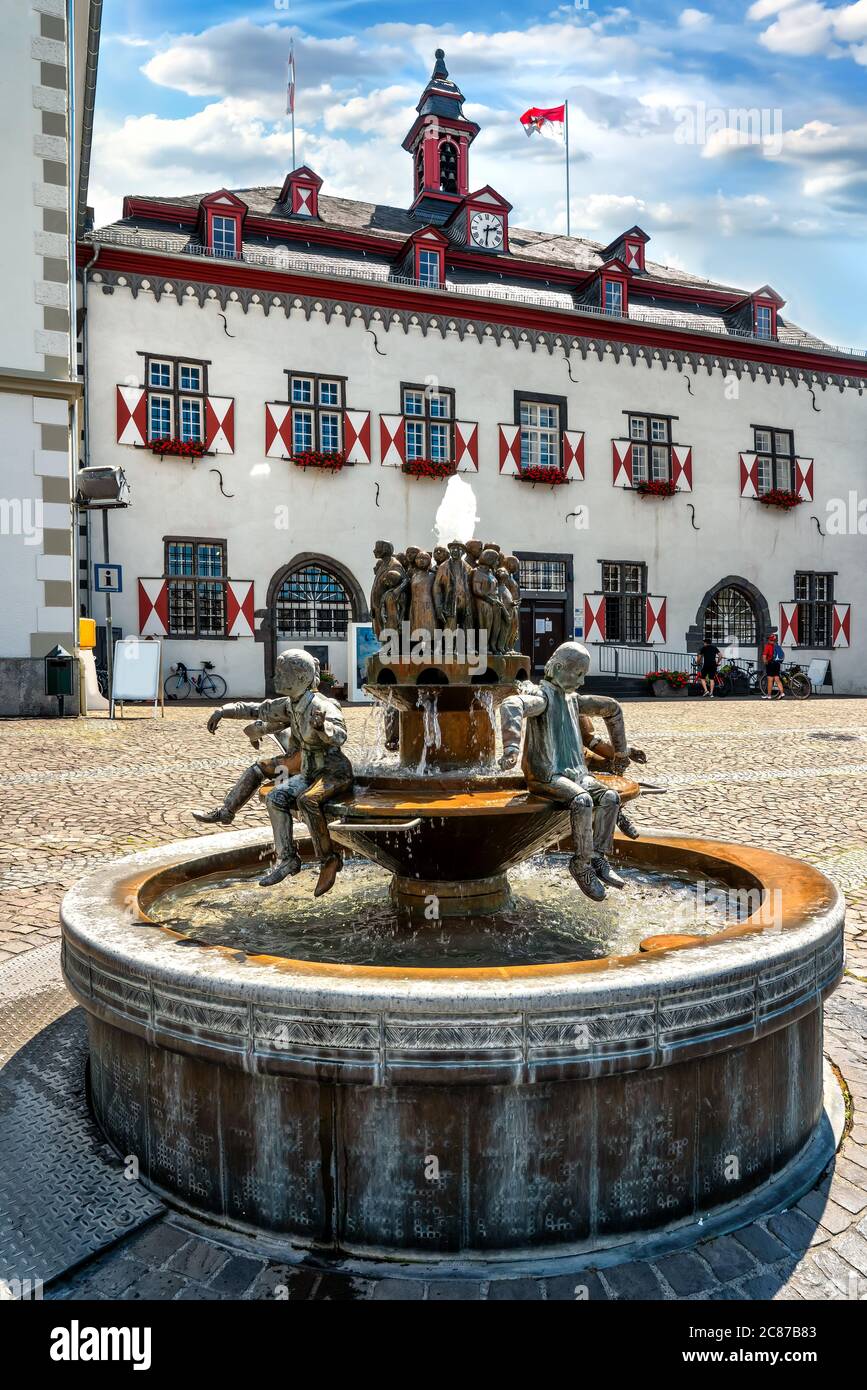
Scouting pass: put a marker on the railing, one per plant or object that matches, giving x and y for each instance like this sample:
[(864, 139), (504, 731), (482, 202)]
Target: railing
[(280, 259), (634, 662)]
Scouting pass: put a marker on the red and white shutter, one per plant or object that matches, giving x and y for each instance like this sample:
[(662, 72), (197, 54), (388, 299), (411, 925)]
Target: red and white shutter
[(681, 467), (804, 479), (220, 424), (153, 608), (573, 453), (466, 446), (656, 618), (622, 462), (356, 436), (132, 415), (392, 440), (278, 430), (842, 629), (594, 617), (788, 625), (510, 449), (239, 608), (749, 475)]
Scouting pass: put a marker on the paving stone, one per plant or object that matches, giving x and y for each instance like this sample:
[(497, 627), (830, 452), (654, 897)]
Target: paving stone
[(198, 1260), (634, 1281), (454, 1290), (839, 1272), (793, 1228), (156, 1284), (342, 1288), (236, 1276), (525, 1290), (157, 1243), (857, 1154), (853, 1248), (846, 1195), (831, 1217), (199, 1293), (760, 1243), (685, 1272), (762, 1286), (398, 1291), (576, 1288), (282, 1283), (727, 1258)]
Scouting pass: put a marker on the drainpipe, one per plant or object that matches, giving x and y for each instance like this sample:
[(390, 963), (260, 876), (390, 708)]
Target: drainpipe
[(85, 380)]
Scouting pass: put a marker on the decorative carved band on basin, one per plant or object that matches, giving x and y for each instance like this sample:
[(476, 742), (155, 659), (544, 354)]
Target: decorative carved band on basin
[(569, 1106)]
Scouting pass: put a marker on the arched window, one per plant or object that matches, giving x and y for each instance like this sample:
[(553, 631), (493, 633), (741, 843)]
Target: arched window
[(419, 169), (730, 616), (312, 602), (448, 167)]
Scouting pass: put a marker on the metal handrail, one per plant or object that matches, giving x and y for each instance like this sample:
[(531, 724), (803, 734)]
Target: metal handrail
[(631, 662), (282, 260)]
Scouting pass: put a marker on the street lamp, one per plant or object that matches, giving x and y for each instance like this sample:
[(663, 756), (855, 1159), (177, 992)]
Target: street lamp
[(101, 488)]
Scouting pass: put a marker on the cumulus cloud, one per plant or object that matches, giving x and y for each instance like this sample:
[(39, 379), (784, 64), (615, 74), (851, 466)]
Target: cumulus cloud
[(693, 19), (804, 29)]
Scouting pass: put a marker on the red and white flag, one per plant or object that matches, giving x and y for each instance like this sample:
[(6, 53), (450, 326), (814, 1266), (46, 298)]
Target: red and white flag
[(544, 120), (290, 81)]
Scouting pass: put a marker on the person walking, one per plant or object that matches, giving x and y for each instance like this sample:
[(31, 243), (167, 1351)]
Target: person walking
[(772, 656), (708, 660)]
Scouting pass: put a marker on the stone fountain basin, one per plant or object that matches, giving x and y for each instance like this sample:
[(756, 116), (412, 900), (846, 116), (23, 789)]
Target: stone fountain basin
[(568, 1107)]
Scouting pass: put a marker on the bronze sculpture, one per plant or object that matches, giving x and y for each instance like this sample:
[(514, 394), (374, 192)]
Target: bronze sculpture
[(453, 600)]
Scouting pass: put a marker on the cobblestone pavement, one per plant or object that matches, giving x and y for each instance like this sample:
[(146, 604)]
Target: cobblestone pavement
[(790, 776)]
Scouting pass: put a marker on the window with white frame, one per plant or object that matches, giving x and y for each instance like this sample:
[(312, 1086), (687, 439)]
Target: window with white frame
[(224, 235), (764, 321), (651, 448), (814, 595), (428, 422), (540, 434), (775, 461), (613, 300), (196, 574), (317, 412), (429, 267), (176, 391), (624, 584)]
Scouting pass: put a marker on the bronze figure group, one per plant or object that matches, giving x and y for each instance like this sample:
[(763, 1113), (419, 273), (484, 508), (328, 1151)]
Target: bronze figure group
[(461, 587)]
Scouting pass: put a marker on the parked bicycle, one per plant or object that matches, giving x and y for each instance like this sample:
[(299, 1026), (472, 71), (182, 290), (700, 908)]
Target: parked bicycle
[(185, 681), (796, 682), (721, 683)]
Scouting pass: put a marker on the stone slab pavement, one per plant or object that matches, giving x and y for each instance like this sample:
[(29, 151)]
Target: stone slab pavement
[(791, 776)]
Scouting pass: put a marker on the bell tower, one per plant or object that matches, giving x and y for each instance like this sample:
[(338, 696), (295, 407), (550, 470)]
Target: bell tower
[(439, 142)]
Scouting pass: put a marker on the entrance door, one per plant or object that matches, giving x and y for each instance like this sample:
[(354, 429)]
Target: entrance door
[(543, 629)]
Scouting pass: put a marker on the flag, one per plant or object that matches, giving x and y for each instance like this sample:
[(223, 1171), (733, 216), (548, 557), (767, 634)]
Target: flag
[(537, 118), (290, 83)]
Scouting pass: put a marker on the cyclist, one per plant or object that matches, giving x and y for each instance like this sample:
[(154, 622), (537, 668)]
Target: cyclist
[(708, 661), (772, 656)]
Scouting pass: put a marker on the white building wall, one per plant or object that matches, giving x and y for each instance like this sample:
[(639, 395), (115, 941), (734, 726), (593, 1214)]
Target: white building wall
[(278, 511)]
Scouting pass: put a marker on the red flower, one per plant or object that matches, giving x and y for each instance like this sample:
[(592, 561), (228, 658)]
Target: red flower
[(536, 473), (429, 468), (780, 497), (657, 487), (313, 458), (183, 448)]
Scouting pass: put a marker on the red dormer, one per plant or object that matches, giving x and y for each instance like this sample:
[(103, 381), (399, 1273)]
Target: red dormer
[(221, 222), (423, 257), (765, 305), (628, 248), (613, 278), (481, 222), (300, 192)]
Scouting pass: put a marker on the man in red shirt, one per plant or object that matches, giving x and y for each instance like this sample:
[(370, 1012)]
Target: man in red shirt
[(772, 656)]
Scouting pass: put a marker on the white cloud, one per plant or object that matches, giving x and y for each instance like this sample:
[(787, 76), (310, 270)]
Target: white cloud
[(693, 19), (805, 29)]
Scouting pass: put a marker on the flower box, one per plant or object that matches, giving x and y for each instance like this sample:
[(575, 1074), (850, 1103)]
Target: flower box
[(535, 473), (780, 497), (668, 685), (313, 458), (182, 448), (429, 468), (656, 487)]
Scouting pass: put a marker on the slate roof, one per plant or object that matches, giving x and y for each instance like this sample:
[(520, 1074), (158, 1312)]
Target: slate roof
[(394, 225)]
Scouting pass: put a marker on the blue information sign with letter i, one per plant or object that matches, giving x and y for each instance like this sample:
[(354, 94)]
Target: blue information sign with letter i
[(108, 579)]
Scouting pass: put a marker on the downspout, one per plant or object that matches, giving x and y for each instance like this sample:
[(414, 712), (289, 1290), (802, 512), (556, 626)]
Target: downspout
[(85, 359)]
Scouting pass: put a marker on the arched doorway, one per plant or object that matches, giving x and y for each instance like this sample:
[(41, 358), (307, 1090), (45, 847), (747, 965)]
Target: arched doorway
[(311, 602), (733, 614)]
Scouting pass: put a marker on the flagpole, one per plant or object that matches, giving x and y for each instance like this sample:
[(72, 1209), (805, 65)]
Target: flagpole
[(294, 86), (568, 195)]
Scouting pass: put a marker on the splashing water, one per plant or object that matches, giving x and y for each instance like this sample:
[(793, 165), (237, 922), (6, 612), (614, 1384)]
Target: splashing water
[(432, 734), (485, 699), (456, 515), (367, 750)]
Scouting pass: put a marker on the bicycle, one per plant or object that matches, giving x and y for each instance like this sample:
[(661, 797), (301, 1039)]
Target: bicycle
[(183, 682), (796, 682), (721, 681)]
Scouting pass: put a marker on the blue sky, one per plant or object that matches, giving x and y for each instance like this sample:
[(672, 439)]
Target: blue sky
[(735, 133)]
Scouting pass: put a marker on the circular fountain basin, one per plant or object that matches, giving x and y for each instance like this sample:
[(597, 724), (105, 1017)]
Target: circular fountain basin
[(463, 1112)]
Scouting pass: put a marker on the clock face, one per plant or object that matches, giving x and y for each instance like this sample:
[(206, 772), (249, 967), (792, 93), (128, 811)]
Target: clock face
[(486, 229)]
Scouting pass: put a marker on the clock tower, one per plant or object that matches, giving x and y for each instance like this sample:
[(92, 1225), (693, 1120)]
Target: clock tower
[(439, 142)]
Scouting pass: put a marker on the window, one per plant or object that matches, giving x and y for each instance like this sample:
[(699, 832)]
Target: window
[(540, 434), (448, 167), (764, 321), (814, 595), (428, 420), (542, 576), (429, 267), (317, 412), (612, 299), (651, 448), (776, 459), (730, 618), (196, 574), (176, 392), (224, 236), (624, 584), (312, 602)]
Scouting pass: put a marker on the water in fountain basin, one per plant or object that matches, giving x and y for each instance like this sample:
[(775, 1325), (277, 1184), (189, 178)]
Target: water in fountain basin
[(427, 701), (357, 924)]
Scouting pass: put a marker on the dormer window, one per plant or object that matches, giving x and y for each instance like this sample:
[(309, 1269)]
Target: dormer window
[(429, 267), (612, 301), (300, 192), (220, 223), (224, 232), (634, 254), (448, 167), (764, 321)]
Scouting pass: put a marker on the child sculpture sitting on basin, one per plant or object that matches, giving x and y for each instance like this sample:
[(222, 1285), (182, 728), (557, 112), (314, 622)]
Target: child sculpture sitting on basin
[(554, 762), (304, 722)]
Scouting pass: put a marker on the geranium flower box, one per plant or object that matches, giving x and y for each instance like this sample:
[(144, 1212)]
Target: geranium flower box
[(780, 497), (535, 473), (180, 448), (429, 468), (656, 487), (314, 458)]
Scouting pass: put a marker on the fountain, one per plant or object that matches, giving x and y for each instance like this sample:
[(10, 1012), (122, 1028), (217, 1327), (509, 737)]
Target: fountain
[(487, 1042)]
